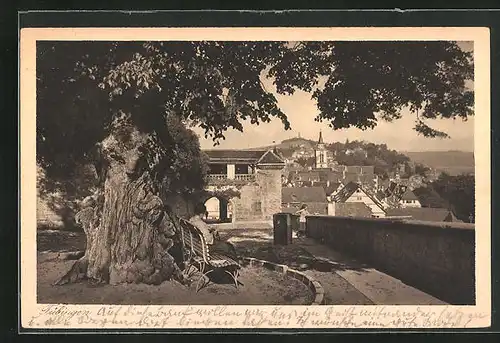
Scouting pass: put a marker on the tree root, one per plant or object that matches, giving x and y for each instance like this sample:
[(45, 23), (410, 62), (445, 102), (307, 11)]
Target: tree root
[(77, 273), (72, 255)]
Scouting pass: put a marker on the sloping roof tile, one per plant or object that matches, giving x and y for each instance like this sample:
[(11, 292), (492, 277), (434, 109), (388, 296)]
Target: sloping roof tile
[(303, 194), (364, 170), (330, 176), (424, 214), (349, 189), (353, 169), (270, 157), (409, 195), (250, 155), (308, 176), (321, 184), (346, 192), (332, 187)]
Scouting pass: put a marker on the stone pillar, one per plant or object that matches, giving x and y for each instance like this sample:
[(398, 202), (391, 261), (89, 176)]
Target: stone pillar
[(231, 171), (269, 179), (331, 208), (223, 209)]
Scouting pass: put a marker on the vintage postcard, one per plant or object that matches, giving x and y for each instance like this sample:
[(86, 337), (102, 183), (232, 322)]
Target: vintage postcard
[(255, 178)]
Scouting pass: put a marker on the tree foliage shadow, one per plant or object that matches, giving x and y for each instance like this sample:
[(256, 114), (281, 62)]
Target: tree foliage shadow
[(61, 196), (60, 241), (295, 256)]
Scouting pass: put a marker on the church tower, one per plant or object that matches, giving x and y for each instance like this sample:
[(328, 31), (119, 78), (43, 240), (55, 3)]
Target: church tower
[(321, 153)]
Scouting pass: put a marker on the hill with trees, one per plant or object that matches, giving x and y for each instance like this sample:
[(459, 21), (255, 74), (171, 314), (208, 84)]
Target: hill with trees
[(362, 153), (455, 192), (354, 153)]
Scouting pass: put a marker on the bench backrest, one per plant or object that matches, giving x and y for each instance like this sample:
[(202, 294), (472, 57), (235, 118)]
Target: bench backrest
[(193, 240)]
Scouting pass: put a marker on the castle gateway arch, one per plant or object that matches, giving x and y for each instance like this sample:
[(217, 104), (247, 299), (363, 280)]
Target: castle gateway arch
[(243, 185)]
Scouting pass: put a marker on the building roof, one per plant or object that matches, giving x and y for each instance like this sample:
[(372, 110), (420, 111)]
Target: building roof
[(285, 153), (349, 189), (250, 156), (303, 183), (424, 214), (312, 208), (398, 190), (351, 177), (353, 209), (270, 157), (368, 170), (303, 194), (346, 192), (391, 188), (332, 188), (409, 195), (330, 175), (428, 197), (360, 169), (320, 140), (323, 184), (243, 156), (308, 176)]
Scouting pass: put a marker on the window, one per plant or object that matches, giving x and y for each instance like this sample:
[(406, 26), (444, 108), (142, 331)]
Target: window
[(257, 206), (242, 169), (359, 198)]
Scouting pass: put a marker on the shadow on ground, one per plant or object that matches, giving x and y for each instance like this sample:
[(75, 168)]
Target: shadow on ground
[(248, 243), (259, 244), (60, 241)]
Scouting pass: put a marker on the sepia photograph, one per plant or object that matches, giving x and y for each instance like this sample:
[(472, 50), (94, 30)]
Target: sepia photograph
[(259, 172)]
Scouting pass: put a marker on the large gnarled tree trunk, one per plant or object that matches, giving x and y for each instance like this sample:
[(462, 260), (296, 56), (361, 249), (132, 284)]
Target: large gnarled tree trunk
[(128, 232)]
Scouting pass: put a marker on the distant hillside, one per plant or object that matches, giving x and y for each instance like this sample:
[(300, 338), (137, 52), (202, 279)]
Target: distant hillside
[(452, 162), (289, 144)]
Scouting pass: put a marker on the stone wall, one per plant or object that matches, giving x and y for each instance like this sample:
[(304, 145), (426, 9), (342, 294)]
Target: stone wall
[(438, 258), (248, 206), (259, 200), (270, 192)]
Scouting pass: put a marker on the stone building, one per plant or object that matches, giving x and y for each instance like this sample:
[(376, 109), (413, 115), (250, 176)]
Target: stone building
[(247, 184)]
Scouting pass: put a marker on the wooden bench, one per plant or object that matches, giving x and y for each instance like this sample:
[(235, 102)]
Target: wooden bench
[(197, 252)]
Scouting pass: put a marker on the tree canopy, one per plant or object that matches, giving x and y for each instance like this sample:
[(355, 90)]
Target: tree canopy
[(360, 153), (454, 192), (306, 161), (459, 192), (83, 86)]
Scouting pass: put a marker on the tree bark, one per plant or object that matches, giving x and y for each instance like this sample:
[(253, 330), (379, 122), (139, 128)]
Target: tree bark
[(128, 234)]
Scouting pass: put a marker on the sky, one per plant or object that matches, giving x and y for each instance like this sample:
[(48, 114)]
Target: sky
[(301, 111)]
